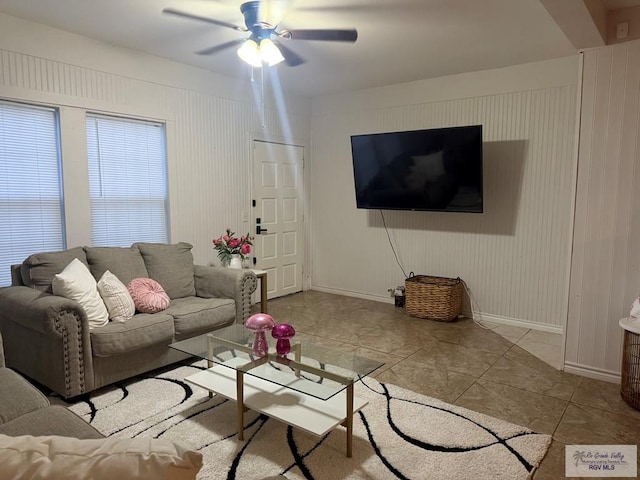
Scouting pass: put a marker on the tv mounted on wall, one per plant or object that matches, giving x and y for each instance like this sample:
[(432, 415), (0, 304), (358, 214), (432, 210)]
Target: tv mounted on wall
[(438, 169)]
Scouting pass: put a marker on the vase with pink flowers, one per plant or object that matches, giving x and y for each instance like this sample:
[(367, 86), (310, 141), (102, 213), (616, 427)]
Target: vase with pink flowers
[(232, 250)]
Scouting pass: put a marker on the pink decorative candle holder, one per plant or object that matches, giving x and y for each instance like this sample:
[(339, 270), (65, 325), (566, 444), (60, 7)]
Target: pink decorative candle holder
[(259, 323), (283, 332)]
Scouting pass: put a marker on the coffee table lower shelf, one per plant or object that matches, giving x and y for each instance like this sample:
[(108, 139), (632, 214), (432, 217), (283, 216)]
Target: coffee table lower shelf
[(308, 413)]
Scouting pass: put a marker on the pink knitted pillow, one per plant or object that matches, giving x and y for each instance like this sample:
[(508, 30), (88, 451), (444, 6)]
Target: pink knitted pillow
[(148, 295)]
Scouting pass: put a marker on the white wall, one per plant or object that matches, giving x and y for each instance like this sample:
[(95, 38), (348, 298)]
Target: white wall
[(605, 273), (515, 256), (210, 121)]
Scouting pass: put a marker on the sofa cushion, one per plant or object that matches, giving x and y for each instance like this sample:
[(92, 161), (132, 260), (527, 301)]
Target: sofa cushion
[(56, 457), (198, 315), (17, 396), (116, 298), (38, 270), (143, 330), (53, 420), (148, 295), (171, 266), (124, 263), (75, 282)]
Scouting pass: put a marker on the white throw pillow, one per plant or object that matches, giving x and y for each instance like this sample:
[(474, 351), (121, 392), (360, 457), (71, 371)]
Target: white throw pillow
[(54, 457), (116, 298), (75, 282)]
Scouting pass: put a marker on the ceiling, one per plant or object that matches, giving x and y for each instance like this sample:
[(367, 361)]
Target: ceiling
[(398, 40)]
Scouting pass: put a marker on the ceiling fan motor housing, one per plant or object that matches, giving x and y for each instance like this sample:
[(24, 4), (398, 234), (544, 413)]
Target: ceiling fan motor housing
[(259, 30)]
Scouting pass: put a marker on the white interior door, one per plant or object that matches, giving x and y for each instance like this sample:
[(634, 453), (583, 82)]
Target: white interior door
[(277, 190)]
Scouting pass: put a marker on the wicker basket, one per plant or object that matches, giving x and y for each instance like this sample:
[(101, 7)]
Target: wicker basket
[(433, 298), (630, 384)]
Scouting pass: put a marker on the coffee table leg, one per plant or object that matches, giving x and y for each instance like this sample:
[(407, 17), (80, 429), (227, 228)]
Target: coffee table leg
[(240, 403), (297, 355), (210, 356), (349, 421)]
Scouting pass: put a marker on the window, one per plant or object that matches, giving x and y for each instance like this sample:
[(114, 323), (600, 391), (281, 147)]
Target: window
[(31, 212), (127, 181)]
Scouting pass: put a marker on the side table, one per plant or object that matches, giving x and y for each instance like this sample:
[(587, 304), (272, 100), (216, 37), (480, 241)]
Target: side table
[(630, 381), (262, 276)]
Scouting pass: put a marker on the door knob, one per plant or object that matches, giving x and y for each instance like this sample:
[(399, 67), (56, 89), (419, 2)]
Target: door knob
[(260, 230)]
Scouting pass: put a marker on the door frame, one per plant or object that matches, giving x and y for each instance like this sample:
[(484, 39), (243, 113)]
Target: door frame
[(306, 214)]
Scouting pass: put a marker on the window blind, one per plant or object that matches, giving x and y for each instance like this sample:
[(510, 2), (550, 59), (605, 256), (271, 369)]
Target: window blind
[(127, 181), (31, 212)]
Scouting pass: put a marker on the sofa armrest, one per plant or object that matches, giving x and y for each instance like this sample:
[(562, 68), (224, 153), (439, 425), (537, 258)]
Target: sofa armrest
[(46, 337), (17, 396), (235, 283)]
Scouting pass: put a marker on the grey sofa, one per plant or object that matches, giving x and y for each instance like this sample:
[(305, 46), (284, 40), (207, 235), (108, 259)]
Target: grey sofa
[(47, 337), (44, 441), (24, 410)]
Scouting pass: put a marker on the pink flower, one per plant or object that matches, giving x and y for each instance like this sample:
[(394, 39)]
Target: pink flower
[(228, 244)]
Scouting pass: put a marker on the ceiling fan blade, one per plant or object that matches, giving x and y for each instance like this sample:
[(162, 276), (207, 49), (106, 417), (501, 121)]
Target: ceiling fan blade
[(351, 8), (335, 35), (291, 58), (222, 46), (191, 16)]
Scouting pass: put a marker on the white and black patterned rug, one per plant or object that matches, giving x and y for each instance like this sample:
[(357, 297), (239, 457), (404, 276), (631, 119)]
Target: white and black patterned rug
[(399, 434)]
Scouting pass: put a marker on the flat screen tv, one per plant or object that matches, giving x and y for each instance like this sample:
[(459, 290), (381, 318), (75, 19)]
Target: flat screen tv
[(438, 169)]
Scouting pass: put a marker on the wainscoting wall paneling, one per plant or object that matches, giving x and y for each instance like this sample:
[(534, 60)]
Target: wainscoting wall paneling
[(210, 122), (605, 272), (515, 256)]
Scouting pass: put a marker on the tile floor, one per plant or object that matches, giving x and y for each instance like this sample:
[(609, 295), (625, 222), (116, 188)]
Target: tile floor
[(544, 345), (497, 370)]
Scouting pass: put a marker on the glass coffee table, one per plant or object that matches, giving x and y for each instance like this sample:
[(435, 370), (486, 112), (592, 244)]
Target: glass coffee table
[(311, 388)]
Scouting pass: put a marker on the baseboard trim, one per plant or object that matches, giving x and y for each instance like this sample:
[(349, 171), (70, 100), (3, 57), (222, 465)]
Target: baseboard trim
[(592, 372), (517, 322), (514, 322), (348, 293)]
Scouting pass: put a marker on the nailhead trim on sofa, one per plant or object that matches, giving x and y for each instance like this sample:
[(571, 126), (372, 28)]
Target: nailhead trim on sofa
[(250, 283), (65, 347)]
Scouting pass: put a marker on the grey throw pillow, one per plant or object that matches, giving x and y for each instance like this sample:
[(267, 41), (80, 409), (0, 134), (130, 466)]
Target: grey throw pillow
[(171, 265), (125, 263), (38, 270)]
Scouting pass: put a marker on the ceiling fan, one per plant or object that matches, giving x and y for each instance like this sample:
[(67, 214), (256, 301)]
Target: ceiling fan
[(263, 46)]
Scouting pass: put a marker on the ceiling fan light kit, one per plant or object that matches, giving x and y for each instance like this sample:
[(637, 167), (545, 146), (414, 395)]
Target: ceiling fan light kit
[(259, 49), (250, 53), (258, 55), (270, 53)]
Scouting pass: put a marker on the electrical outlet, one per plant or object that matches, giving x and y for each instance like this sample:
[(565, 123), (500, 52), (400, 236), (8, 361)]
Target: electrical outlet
[(245, 216), (622, 30)]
